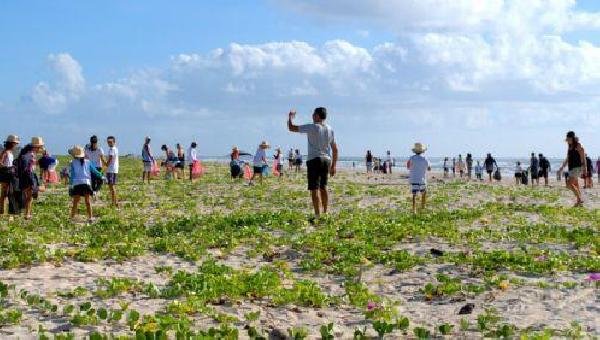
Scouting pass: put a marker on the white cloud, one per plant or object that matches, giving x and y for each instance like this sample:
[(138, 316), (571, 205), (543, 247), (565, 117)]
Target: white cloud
[(67, 85)]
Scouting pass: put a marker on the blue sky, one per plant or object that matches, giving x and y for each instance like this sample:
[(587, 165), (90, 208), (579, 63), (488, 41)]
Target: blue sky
[(471, 76)]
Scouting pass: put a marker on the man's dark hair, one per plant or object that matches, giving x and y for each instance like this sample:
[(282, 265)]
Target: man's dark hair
[(321, 112), (164, 147), (94, 139), (194, 144), (111, 138)]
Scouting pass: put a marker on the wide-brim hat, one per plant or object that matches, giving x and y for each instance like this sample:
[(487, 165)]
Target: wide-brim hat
[(234, 148), (419, 148), (264, 145), (13, 139), (77, 151), (37, 141)]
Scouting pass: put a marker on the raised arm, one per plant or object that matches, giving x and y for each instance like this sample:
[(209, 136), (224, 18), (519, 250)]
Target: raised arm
[(291, 126)]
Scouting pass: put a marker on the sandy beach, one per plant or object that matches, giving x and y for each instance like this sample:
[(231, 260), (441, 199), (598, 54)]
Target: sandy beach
[(519, 254)]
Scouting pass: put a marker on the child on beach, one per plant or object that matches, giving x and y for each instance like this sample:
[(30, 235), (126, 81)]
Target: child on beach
[(518, 173), (479, 171), (7, 170), (259, 162), (81, 180), (418, 167), (112, 168)]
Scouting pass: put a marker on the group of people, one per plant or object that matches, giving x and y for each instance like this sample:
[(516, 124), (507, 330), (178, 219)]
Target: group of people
[(539, 167), (175, 163), (377, 165)]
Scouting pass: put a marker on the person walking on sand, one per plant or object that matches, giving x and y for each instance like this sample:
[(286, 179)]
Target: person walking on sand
[(7, 170), (81, 181), (453, 167), (518, 173), (298, 160), (95, 154), (112, 169), (418, 166), (469, 166), (446, 167), (461, 166), (598, 169), (291, 159), (489, 164), (479, 171), (588, 179), (534, 168), (322, 156), (191, 157), (389, 162), (576, 164), (369, 161), (148, 160), (259, 162), (544, 168), (28, 180)]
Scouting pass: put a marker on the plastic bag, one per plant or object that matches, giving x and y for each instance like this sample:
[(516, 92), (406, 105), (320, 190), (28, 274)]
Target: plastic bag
[(276, 168), (155, 169), (197, 169), (247, 172)]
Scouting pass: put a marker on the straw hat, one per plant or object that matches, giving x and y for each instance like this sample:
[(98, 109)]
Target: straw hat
[(235, 148), (419, 148), (264, 145), (77, 152), (13, 139), (37, 141)]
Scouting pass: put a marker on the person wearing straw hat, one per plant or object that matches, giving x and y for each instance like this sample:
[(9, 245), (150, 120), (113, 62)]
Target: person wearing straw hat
[(80, 183), (418, 166), (259, 162), (235, 166), (7, 169), (322, 156), (28, 180)]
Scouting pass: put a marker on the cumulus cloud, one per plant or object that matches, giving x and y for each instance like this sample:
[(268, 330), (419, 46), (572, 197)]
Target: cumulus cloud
[(67, 84)]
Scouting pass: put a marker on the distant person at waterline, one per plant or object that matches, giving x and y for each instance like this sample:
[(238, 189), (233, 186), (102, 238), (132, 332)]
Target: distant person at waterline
[(534, 165), (469, 166), (453, 166), (147, 159), (461, 166), (479, 171), (418, 166), (369, 161), (489, 164), (191, 157), (291, 159), (544, 168), (518, 173), (587, 179), (322, 156), (446, 167), (576, 164), (389, 162)]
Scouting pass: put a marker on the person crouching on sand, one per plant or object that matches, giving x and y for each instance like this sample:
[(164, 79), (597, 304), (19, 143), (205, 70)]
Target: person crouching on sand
[(322, 156), (418, 166), (577, 165), (81, 180)]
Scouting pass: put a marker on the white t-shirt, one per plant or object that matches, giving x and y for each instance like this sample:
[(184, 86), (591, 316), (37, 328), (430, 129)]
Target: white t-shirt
[(113, 166), (418, 169), (320, 138), (94, 156), (192, 155), (518, 169), (8, 159), (260, 157)]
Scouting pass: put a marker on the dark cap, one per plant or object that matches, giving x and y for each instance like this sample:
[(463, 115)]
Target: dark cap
[(570, 134), (94, 139)]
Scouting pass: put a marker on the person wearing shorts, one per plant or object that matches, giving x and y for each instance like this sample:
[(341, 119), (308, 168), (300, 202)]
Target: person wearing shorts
[(259, 162), (81, 180), (112, 168), (418, 166), (147, 159), (322, 156), (576, 162)]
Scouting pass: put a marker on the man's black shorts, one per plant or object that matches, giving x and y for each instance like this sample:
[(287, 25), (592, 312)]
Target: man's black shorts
[(318, 172)]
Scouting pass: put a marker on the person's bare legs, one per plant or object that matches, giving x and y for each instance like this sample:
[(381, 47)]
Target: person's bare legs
[(3, 196), (414, 203), (113, 195), (28, 195), (75, 206), (573, 185), (314, 194), (423, 199), (324, 199), (88, 207)]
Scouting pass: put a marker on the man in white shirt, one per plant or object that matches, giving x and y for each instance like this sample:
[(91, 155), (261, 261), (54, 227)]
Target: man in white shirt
[(418, 167), (191, 157), (112, 168), (322, 156), (259, 162)]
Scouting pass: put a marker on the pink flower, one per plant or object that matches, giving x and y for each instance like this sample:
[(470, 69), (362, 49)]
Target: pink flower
[(371, 305), (593, 277)]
